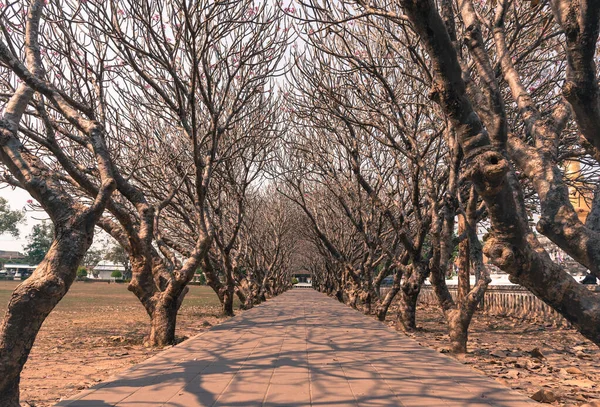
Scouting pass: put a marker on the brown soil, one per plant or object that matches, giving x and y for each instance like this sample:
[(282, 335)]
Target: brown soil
[(523, 355), (96, 331)]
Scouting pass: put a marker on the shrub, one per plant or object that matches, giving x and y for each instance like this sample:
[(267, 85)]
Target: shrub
[(116, 274), (202, 279), (294, 280), (82, 273)]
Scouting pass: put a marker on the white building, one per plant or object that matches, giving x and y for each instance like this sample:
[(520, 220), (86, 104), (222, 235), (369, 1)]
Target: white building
[(104, 269)]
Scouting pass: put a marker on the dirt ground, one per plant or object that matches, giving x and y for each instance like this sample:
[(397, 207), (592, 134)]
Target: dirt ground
[(523, 355), (97, 330)]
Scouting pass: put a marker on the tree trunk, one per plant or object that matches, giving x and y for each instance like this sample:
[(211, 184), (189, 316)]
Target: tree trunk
[(222, 290), (245, 301), (163, 322), (161, 303), (408, 305), (383, 308), (163, 316), (30, 304), (458, 318), (366, 299), (228, 300), (261, 296), (458, 329), (411, 287), (9, 390), (352, 298)]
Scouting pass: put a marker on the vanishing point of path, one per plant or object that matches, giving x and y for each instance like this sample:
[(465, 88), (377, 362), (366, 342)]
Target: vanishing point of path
[(299, 349)]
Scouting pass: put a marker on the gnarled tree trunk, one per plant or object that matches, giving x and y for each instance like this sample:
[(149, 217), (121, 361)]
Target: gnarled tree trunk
[(32, 301), (228, 297), (512, 246), (162, 291), (411, 287), (163, 322)]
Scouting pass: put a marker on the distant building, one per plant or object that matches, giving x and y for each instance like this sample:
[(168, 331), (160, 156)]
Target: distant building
[(104, 270), (17, 271), (7, 256), (303, 277), (580, 202), (388, 281)]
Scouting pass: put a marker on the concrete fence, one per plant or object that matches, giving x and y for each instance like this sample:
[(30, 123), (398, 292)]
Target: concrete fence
[(513, 301)]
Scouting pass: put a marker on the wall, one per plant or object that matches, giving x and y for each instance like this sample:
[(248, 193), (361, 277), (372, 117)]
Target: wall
[(513, 301)]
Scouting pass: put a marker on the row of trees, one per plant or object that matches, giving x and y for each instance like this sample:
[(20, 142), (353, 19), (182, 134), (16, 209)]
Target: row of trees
[(403, 128), (416, 123), (154, 121)]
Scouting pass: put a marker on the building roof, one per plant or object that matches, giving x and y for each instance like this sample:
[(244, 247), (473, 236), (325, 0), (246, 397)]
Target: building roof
[(20, 266), (11, 254), (105, 265)]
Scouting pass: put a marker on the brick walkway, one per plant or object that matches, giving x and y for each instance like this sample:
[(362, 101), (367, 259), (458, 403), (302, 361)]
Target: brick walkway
[(299, 349)]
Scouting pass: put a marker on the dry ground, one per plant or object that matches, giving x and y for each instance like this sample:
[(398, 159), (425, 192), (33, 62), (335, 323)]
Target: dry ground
[(97, 330), (523, 355)]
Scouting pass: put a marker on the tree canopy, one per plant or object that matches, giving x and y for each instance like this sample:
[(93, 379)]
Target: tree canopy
[(39, 242), (357, 140), (10, 219)]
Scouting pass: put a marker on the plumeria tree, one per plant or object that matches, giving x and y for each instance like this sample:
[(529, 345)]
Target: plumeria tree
[(496, 70), (201, 79), (46, 130)]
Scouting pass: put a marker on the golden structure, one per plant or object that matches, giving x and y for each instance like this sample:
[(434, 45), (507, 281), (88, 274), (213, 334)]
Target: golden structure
[(579, 201)]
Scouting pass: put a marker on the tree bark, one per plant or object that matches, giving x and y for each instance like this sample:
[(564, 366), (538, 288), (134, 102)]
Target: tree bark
[(411, 287), (32, 301), (245, 300), (458, 329), (384, 306), (228, 297), (512, 246), (162, 290), (163, 322)]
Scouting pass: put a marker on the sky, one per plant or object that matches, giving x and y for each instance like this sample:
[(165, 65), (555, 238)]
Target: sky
[(17, 199)]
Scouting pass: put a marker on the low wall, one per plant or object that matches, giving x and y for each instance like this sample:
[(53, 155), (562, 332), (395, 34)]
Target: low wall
[(513, 301)]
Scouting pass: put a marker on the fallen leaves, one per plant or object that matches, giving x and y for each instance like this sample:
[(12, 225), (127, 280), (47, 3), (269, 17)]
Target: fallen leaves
[(544, 396), (526, 356)]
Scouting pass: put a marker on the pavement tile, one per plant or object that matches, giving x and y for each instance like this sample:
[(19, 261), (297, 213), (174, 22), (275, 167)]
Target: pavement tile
[(291, 393), (155, 393), (243, 393), (300, 349), (110, 395)]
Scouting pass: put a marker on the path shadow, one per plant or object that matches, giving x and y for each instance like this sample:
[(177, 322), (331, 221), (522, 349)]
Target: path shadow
[(338, 358)]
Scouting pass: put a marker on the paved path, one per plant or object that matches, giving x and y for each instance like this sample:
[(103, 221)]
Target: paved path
[(299, 349)]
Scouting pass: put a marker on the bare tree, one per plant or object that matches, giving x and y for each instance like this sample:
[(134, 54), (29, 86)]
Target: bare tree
[(237, 179), (190, 75), (80, 121), (512, 245), (359, 93)]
